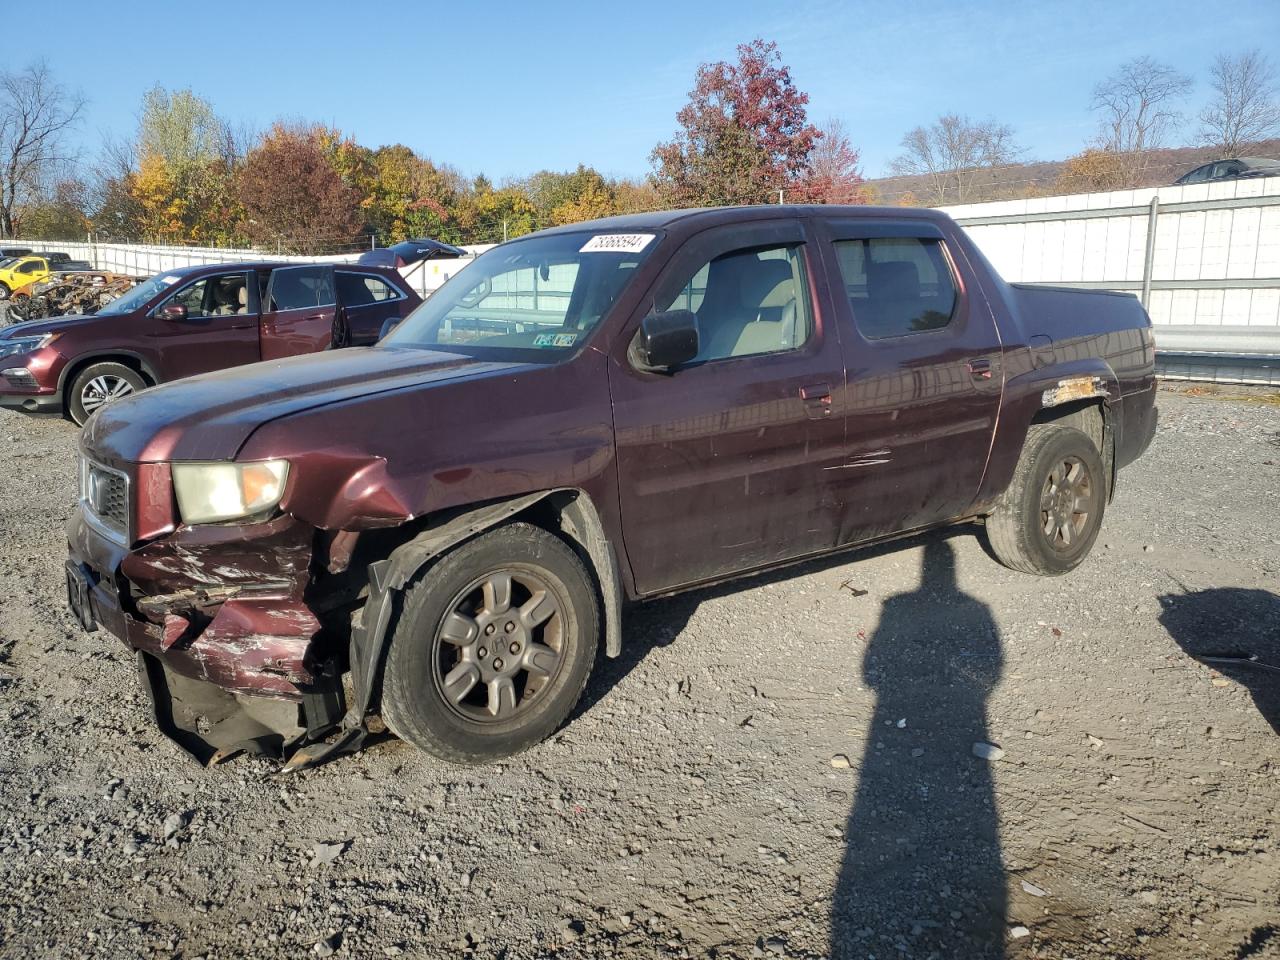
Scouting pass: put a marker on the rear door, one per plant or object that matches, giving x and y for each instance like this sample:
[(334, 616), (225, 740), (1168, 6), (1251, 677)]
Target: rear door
[(368, 300), (923, 376), (297, 315), (220, 328), (722, 464)]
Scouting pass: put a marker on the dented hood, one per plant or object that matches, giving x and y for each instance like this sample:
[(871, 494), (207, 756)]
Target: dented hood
[(210, 416)]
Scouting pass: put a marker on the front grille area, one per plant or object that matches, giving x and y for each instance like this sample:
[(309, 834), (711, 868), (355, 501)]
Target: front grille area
[(23, 379), (105, 495)]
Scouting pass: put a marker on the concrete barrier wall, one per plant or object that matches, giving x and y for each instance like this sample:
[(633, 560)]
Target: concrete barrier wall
[(1215, 255)]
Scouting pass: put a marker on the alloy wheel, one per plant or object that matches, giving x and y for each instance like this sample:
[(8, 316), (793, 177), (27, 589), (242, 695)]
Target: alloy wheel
[(1067, 503), (500, 644), (103, 389)]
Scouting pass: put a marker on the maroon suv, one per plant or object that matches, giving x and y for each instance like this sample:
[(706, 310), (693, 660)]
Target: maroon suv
[(446, 526), (189, 321)]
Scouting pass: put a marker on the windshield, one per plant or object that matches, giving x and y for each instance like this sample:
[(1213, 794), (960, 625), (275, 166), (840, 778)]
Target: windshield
[(140, 294), (535, 299)]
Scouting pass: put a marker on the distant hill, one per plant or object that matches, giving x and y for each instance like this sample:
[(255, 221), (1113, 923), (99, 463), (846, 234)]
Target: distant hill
[(1039, 178)]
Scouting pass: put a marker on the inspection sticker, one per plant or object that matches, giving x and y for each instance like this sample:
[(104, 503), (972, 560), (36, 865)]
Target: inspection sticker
[(617, 243), (555, 339)]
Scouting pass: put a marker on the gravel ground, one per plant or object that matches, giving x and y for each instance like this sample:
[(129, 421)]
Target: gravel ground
[(781, 768)]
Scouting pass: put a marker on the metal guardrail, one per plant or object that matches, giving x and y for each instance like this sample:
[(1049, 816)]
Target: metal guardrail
[(1223, 354)]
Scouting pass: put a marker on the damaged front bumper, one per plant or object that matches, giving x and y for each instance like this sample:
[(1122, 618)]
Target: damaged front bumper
[(233, 655)]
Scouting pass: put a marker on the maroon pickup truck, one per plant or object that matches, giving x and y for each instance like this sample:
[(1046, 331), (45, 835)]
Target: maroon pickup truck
[(440, 530), (193, 320)]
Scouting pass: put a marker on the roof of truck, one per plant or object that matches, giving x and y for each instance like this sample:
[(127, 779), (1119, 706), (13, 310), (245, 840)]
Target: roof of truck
[(713, 216)]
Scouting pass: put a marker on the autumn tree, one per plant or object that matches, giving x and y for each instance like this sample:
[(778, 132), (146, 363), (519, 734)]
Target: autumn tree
[(292, 196), (57, 214), (486, 215), (569, 197), (1138, 109), (833, 175), (184, 183), (953, 154), (1092, 171), (36, 115), (743, 134), (1245, 108), (634, 196)]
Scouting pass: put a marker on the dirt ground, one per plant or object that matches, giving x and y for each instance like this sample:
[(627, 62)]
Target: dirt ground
[(780, 768)]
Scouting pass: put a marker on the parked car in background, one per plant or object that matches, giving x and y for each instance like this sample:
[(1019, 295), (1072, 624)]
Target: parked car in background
[(34, 268), (612, 410), (7, 251), (189, 321), (1236, 168)]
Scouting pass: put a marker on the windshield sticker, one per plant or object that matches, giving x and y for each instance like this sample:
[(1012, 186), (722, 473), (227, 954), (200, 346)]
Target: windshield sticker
[(555, 339), (170, 280), (617, 243)]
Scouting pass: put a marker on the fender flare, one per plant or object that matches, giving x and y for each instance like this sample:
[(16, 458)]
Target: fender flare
[(106, 356), (388, 578), (1043, 388)]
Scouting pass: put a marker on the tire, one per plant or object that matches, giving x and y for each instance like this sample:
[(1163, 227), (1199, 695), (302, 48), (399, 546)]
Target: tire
[(460, 638), (1048, 519), (4, 291), (99, 384)]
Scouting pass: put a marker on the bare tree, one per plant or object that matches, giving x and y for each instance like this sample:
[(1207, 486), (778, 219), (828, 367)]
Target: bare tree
[(1138, 104), (952, 155), (1245, 108), (36, 113)]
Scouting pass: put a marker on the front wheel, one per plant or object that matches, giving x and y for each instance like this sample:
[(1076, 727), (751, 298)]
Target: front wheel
[(1049, 517), (4, 291), (99, 384), (493, 646)]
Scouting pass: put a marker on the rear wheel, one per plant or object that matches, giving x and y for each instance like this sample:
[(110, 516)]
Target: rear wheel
[(1049, 517), (493, 646), (99, 384)]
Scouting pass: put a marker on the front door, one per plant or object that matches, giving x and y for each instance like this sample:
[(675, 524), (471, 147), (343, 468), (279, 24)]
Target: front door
[(924, 377), (298, 314), (219, 329), (722, 463)]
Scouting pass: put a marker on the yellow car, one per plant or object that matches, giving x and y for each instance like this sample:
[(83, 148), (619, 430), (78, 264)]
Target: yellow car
[(22, 271)]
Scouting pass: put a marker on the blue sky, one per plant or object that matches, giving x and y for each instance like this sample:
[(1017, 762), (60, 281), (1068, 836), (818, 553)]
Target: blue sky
[(509, 88)]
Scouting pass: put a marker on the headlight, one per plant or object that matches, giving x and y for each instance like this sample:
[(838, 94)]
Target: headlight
[(209, 492), (11, 348)]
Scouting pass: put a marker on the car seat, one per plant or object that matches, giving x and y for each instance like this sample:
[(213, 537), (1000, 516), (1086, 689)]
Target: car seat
[(750, 308)]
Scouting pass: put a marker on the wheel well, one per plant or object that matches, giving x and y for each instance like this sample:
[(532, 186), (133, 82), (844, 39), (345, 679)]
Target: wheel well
[(567, 513), (1085, 415), (1091, 418), (133, 363)]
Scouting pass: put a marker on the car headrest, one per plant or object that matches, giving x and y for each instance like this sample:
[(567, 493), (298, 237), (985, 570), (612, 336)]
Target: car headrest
[(893, 280), (766, 283), (242, 295)]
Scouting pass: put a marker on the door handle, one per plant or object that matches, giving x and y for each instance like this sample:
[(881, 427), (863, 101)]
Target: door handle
[(980, 369), (817, 400)]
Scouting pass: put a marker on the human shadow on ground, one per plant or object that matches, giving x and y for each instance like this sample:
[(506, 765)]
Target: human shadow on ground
[(1229, 624), (659, 623), (922, 872)]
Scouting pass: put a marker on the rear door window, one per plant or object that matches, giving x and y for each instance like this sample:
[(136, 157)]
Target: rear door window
[(300, 288), (897, 286), (362, 289)]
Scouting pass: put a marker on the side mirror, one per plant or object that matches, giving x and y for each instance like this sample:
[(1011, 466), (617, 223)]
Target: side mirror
[(172, 311), (667, 340)]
